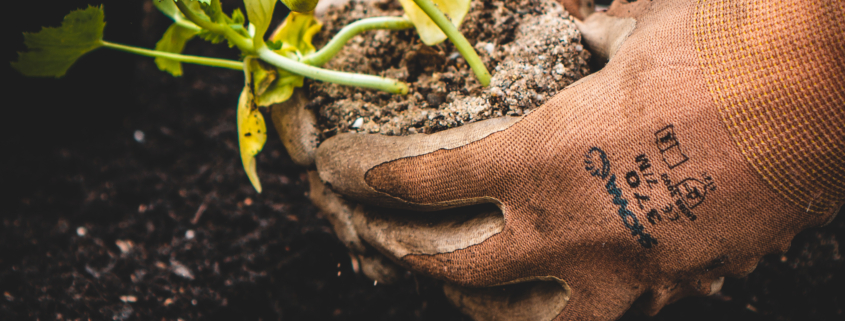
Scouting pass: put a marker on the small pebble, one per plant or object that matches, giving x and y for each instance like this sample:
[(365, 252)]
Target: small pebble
[(490, 48), (189, 234), (181, 270), (128, 298), (81, 231), (139, 136), (357, 123), (124, 245)]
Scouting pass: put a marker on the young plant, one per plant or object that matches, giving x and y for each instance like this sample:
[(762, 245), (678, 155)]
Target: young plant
[(272, 68)]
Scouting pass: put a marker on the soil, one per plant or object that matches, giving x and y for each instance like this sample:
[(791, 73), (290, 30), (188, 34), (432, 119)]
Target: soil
[(131, 205), (531, 47)]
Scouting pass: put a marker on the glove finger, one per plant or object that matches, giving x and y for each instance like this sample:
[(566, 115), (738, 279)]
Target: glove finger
[(604, 32), (337, 210), (468, 246), (579, 9), (629, 9), (361, 166), (541, 299), (297, 127), (379, 268)]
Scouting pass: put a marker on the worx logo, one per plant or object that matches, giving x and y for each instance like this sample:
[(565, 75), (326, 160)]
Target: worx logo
[(597, 164)]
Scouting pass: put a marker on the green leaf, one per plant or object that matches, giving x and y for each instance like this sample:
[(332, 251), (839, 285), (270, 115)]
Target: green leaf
[(296, 34), (212, 37), (260, 12), (300, 5), (174, 40), (238, 17), (274, 45), (214, 10), (52, 51), (252, 130), (429, 32)]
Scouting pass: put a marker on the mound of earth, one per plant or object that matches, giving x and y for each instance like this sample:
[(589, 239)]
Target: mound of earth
[(531, 47)]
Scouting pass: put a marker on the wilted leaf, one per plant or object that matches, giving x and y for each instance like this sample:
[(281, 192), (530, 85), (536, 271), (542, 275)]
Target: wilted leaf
[(174, 40), (252, 131), (272, 85), (429, 32), (53, 50)]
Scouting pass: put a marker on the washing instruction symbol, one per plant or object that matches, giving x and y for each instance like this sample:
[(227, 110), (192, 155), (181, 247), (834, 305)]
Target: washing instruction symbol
[(669, 147), (694, 191)]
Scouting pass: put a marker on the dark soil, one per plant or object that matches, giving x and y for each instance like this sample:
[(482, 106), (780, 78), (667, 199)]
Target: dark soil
[(100, 224), (531, 47)]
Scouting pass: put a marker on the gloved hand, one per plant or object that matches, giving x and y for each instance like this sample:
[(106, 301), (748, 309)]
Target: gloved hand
[(714, 134)]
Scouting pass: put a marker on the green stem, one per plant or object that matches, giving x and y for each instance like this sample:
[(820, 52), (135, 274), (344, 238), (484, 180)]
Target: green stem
[(367, 81), (243, 43), (187, 24), (458, 39), (328, 51), (214, 62)]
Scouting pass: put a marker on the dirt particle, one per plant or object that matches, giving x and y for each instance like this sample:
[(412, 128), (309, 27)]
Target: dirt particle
[(125, 246)]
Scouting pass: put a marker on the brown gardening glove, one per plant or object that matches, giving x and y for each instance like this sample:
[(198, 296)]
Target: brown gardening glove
[(714, 134), (297, 127)]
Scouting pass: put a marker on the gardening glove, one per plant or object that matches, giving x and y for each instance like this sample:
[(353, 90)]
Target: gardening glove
[(713, 135), (296, 125)]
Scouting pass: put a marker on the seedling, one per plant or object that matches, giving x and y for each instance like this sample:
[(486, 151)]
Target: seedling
[(273, 66)]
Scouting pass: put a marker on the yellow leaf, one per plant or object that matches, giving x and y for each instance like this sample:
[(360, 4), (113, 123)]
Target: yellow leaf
[(271, 85), (429, 32), (296, 34), (252, 131), (300, 5)]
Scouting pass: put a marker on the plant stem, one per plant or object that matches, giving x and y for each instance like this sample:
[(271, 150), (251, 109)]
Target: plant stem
[(457, 38), (187, 24), (244, 44), (367, 81), (214, 62), (328, 51)]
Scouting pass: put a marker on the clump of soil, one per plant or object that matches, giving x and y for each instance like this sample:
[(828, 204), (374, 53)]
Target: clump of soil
[(531, 47)]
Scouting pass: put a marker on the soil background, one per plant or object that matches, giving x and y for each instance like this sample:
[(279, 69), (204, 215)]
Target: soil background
[(200, 243)]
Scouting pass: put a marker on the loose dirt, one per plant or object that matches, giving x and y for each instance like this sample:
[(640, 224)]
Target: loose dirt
[(531, 47), (268, 256)]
